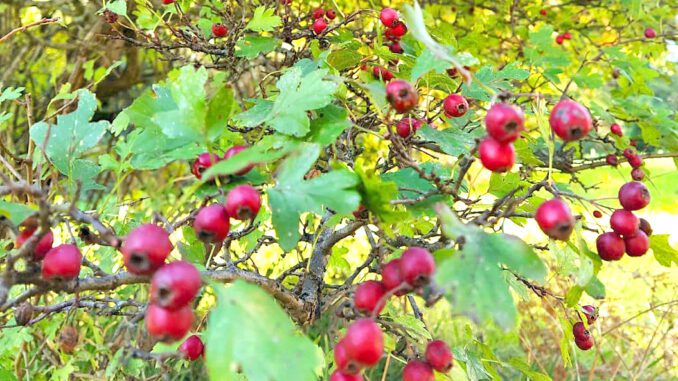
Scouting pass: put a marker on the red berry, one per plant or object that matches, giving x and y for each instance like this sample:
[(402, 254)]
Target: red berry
[(146, 249), (628, 152), (495, 156), (395, 47), (392, 278), (174, 285), (338, 376), (504, 122), (612, 160), (637, 174), (168, 325), (167, 2), (610, 246), (417, 266), (616, 129), (650, 33), (212, 223), (407, 127), (624, 222), (318, 13), (543, 12), (243, 202), (634, 195), (234, 151), (455, 106), (361, 212), (579, 331), (585, 344), (591, 313), (62, 263), (41, 248), (344, 363), (567, 35), (555, 219), (369, 297), (560, 39), (637, 245), (389, 17), (319, 26), (416, 370), (219, 30), (645, 227), (597, 214), (204, 161), (401, 95), (331, 14), (382, 73), (570, 120), (192, 348), (286, 2), (635, 161), (364, 342), (389, 34), (439, 356), (398, 30)]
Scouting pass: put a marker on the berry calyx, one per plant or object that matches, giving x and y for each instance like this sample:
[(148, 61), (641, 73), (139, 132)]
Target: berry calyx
[(650, 33), (645, 227), (610, 246), (612, 160), (504, 122), (634, 195), (401, 95), (202, 163), (243, 202), (234, 151), (417, 266), (616, 129), (624, 222), (591, 313), (392, 278), (319, 26), (339, 376), (62, 263), (407, 127), (43, 245), (168, 325), (417, 370), (570, 120), (382, 73), (637, 174), (389, 17), (174, 285), (344, 363), (219, 30), (212, 223), (496, 156), (192, 348), (368, 297), (146, 249), (455, 106), (637, 245), (555, 219), (439, 356), (364, 342)]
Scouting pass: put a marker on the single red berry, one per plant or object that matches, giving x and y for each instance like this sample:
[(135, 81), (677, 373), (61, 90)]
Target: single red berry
[(389, 34), (407, 127), (192, 348), (416, 370), (579, 331), (543, 12), (168, 325), (364, 342), (495, 156), (597, 214), (645, 227), (624, 222), (318, 13), (344, 363), (612, 160), (62, 263), (204, 161), (395, 47), (41, 248), (219, 30), (584, 345), (634, 195), (401, 95), (560, 39), (567, 35), (591, 313), (167, 2), (361, 212), (637, 174), (439, 356), (504, 122), (629, 152), (369, 297), (650, 33), (339, 376), (174, 285), (146, 249), (637, 245), (398, 30), (417, 266), (331, 14), (635, 161), (570, 120), (319, 26), (243, 202), (212, 223), (234, 151), (455, 106), (389, 17), (555, 219), (392, 278), (382, 73), (616, 129), (610, 246)]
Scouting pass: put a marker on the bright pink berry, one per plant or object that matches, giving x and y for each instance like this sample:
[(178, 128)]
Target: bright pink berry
[(331, 14), (417, 266), (243, 202), (41, 248), (62, 263), (504, 122), (407, 127), (168, 325), (339, 376), (624, 222), (202, 163), (174, 285), (591, 313), (364, 342), (212, 223), (616, 129), (570, 120), (398, 30), (416, 370), (382, 73), (496, 156), (455, 106), (146, 249), (389, 17), (612, 160), (192, 348), (344, 363), (319, 26), (369, 297), (650, 33), (219, 30), (560, 39), (439, 356), (318, 13), (637, 174), (392, 278)]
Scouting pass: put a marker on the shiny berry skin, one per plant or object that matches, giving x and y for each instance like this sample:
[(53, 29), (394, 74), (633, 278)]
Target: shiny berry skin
[(395, 47), (585, 344), (219, 30), (567, 35), (338, 376), (319, 26), (382, 73), (570, 120), (637, 245), (212, 223), (174, 285), (407, 127), (331, 14), (243, 202), (634, 196), (555, 219), (168, 325), (62, 263), (439, 356), (591, 313), (389, 34), (610, 246), (504, 122), (416, 370), (560, 39), (392, 278), (398, 30), (344, 363), (495, 156), (202, 163), (146, 249), (417, 266), (364, 342), (401, 95), (41, 248), (629, 152), (616, 129), (597, 214), (612, 160), (318, 13), (368, 297), (579, 331), (650, 33), (389, 17), (455, 106), (637, 174), (192, 348), (624, 222), (635, 161), (645, 227), (167, 2), (234, 151)]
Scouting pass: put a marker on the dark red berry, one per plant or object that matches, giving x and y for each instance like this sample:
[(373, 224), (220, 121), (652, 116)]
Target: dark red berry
[(610, 246), (382, 73), (616, 129), (192, 348), (395, 47), (496, 156), (650, 33), (455, 106), (504, 122), (624, 222), (243, 202), (219, 30), (62, 263), (439, 356), (392, 278), (41, 248), (319, 26), (597, 214), (401, 95), (110, 17), (635, 161), (212, 223), (543, 12), (361, 212), (364, 342), (612, 160), (628, 152), (637, 174), (369, 297), (591, 313), (417, 266), (398, 30), (331, 14), (204, 161), (168, 325), (146, 249), (637, 245), (555, 219), (338, 376), (174, 285), (234, 151), (407, 127), (389, 17), (570, 120), (318, 13), (579, 331), (416, 370), (634, 196), (584, 345), (645, 227)]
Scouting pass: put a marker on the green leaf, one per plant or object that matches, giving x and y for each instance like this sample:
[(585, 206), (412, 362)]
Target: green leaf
[(453, 141), (343, 59), (264, 20), (16, 213), (331, 123), (246, 326), (425, 63), (219, 111), (268, 149), (377, 193), (292, 195), (663, 252), (118, 7), (525, 369), (251, 46)]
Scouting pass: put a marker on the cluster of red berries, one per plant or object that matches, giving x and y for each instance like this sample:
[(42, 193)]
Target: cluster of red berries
[(319, 14), (206, 160), (395, 29), (631, 156), (582, 337), (438, 356), (212, 222), (562, 37), (361, 347), (504, 123)]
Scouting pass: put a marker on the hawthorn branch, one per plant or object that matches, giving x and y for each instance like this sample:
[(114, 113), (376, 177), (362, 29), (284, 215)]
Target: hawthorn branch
[(26, 27)]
